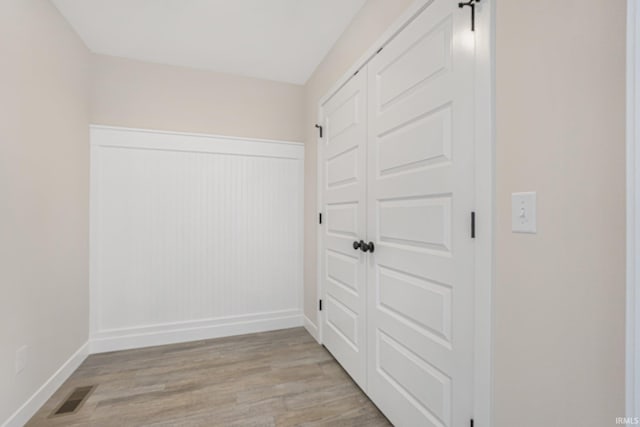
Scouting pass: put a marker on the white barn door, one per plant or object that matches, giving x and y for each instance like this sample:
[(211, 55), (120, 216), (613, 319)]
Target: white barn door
[(420, 198), (344, 208)]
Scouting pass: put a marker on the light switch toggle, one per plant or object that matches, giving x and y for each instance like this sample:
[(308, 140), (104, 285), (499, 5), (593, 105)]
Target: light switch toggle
[(523, 212)]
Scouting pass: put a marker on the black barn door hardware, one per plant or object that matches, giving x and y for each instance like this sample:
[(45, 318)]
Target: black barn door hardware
[(473, 225), (320, 128), (472, 5)]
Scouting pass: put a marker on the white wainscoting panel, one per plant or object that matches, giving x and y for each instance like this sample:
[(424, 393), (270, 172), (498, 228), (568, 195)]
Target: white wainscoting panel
[(192, 236)]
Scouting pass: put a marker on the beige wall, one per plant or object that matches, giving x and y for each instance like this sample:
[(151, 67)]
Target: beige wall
[(559, 294), (368, 25), (145, 95), (44, 192)]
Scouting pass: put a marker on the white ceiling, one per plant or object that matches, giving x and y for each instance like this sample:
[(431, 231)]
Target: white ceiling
[(281, 40)]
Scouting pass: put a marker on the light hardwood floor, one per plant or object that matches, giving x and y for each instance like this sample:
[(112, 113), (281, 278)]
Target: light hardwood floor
[(280, 378)]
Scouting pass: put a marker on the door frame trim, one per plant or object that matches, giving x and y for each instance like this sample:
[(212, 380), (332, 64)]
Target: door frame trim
[(484, 188), (632, 362)]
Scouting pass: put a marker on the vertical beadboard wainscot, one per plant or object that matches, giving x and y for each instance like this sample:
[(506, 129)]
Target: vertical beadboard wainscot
[(192, 236)]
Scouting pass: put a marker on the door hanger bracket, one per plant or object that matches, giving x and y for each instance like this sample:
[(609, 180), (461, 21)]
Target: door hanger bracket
[(472, 5)]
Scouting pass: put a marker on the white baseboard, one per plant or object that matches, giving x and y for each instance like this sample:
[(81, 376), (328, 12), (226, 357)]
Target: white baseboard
[(40, 397), (311, 328), (171, 333)]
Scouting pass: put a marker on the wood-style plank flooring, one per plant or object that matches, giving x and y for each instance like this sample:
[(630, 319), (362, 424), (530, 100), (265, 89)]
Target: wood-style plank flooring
[(280, 378)]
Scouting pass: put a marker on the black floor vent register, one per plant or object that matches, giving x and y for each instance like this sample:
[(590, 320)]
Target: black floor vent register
[(73, 402)]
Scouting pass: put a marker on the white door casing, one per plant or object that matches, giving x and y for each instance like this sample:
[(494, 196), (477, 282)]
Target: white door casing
[(420, 199), (633, 212), (344, 208)]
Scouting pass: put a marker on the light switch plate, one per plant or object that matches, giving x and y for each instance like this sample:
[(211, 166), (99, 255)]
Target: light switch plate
[(523, 212)]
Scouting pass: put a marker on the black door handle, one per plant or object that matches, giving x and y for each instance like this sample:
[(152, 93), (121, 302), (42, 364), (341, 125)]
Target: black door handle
[(366, 247), (356, 245)]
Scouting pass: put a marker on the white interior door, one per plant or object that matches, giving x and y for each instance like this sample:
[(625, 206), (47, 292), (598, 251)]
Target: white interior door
[(420, 197), (344, 208)]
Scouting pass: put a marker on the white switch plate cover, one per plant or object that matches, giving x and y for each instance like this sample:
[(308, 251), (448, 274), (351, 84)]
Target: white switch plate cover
[(523, 212)]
